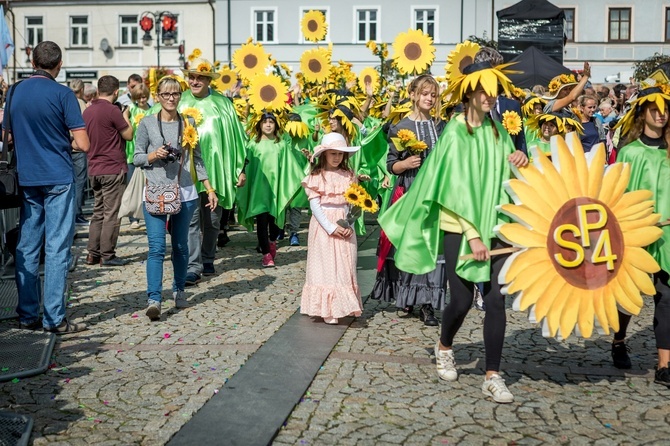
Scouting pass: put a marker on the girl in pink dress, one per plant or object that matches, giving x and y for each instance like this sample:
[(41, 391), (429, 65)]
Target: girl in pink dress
[(331, 288)]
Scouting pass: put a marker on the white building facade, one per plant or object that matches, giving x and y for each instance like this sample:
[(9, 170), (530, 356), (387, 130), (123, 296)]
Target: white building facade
[(610, 34), (104, 37)]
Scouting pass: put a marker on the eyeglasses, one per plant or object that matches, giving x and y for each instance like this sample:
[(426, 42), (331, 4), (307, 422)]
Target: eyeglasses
[(166, 96)]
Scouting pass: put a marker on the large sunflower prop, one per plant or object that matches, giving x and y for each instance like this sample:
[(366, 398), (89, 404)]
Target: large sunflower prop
[(267, 91), (413, 52), (250, 59), (460, 57), (314, 26), (226, 81), (582, 244), (315, 65), (368, 75)]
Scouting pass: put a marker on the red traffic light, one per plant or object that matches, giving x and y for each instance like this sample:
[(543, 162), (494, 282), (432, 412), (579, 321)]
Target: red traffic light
[(146, 24)]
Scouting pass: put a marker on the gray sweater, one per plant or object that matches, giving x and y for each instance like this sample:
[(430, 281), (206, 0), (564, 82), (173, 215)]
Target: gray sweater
[(148, 139)]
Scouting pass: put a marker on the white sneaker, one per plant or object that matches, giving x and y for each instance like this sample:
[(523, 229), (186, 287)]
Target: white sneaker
[(179, 299), (446, 363), (135, 225), (495, 388)]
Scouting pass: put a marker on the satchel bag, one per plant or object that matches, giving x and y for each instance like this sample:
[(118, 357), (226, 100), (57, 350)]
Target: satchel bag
[(10, 195), (131, 202), (164, 199)]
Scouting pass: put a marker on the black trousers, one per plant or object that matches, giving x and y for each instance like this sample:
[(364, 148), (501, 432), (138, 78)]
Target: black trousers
[(461, 290), (661, 313), (266, 230)]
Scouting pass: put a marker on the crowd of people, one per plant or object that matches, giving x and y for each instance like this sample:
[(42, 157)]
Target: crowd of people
[(433, 152)]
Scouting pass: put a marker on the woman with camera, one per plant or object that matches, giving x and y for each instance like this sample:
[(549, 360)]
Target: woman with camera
[(166, 148)]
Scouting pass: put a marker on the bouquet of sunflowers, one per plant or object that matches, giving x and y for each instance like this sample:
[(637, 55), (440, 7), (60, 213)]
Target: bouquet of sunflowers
[(360, 201), (406, 140)]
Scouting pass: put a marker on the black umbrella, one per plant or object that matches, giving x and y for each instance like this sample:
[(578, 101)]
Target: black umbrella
[(537, 68)]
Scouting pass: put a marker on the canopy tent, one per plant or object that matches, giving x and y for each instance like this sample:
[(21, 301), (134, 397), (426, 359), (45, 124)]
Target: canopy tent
[(531, 23), (537, 68)]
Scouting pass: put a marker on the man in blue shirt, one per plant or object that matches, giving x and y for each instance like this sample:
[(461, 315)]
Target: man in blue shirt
[(40, 117)]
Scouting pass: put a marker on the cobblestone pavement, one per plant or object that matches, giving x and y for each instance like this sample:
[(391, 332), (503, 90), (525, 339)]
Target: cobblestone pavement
[(128, 381)]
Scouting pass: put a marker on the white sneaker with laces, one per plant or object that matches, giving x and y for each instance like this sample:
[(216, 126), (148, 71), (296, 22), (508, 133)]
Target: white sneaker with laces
[(446, 363), (495, 388)]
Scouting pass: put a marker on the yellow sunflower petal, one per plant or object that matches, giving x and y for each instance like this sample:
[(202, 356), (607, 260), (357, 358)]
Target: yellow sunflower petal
[(570, 311), (585, 320), (622, 296), (639, 210), (581, 168), (642, 236), (540, 183), (609, 305), (642, 280), (568, 165), (631, 198), (554, 314), (523, 192), (460, 57), (610, 180), (596, 171), (556, 287), (250, 59), (641, 259), (519, 261), (529, 277), (523, 214), (553, 176), (650, 220), (599, 308), (519, 235), (531, 294)]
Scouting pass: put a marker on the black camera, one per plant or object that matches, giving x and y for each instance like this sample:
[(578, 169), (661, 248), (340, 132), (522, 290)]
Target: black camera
[(121, 106), (173, 154)]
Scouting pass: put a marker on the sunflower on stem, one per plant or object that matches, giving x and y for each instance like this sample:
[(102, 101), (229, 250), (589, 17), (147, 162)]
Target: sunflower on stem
[(406, 140), (360, 201), (194, 113), (512, 122)]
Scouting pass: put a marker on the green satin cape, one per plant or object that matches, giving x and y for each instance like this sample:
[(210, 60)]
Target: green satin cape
[(650, 169), (222, 143), (134, 110), (464, 174), (273, 179)]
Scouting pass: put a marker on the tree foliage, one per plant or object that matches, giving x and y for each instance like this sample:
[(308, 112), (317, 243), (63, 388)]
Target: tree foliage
[(647, 66)]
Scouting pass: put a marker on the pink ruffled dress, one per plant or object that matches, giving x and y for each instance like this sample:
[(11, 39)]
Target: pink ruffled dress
[(331, 288)]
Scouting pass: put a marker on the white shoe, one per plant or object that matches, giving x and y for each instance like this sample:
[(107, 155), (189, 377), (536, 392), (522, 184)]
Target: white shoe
[(446, 363), (135, 225), (179, 299), (330, 321), (495, 388)]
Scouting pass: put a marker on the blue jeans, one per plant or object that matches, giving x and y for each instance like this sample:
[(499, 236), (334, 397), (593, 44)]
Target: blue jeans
[(156, 229), (47, 218), (80, 179), (129, 175)]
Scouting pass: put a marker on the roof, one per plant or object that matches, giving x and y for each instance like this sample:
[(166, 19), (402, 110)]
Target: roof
[(531, 10)]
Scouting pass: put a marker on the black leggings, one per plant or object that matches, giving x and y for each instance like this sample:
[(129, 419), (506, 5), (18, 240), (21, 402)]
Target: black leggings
[(661, 313), (461, 291), (266, 230)]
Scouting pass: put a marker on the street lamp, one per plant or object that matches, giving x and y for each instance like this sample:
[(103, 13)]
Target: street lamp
[(168, 25)]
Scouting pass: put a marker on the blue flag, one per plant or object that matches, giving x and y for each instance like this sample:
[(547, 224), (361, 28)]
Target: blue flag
[(6, 42)]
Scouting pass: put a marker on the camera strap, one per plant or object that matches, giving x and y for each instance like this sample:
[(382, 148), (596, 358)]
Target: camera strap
[(179, 134)]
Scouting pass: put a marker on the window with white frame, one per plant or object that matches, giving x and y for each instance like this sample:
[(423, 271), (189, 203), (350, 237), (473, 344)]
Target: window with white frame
[(34, 31), (367, 21), (326, 13), (425, 19), (79, 31), (265, 25), (128, 30)]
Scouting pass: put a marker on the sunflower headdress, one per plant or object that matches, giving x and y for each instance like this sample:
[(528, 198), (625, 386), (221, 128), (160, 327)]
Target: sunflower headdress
[(295, 127), (342, 109), (250, 59), (314, 26), (413, 52), (480, 73), (529, 106), (254, 119), (267, 92), (655, 89), (315, 65), (460, 57), (562, 121), (226, 81), (558, 83)]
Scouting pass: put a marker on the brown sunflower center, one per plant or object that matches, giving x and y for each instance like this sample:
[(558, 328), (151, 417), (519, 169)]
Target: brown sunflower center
[(225, 78), (250, 61), (353, 197), (314, 66), (585, 243), (412, 51), (367, 78), (268, 93), (312, 25), (367, 203)]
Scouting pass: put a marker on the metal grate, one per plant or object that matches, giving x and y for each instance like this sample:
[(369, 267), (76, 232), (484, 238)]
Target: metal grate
[(15, 429), (9, 299), (24, 352)]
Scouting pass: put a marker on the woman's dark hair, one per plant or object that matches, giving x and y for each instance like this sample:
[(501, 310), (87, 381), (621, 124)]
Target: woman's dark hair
[(47, 55), (638, 128), (257, 128), (320, 164), (341, 129)]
